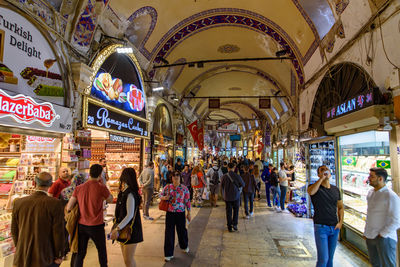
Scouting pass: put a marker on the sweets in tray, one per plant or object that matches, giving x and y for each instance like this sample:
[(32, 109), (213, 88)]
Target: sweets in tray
[(44, 83)]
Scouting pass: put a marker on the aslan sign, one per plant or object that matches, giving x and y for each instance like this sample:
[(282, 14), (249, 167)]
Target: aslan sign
[(356, 103)]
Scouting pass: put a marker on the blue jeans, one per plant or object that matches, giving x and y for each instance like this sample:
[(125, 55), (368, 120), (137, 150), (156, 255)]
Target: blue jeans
[(276, 192), (283, 196), (382, 252), (268, 193), (326, 238), (246, 198)]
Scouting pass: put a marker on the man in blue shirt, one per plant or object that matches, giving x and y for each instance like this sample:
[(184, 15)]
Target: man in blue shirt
[(164, 172), (265, 177)]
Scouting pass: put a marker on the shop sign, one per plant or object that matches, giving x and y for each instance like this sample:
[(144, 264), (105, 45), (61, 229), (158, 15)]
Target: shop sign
[(309, 134), (179, 139), (28, 64), (107, 119), (118, 84), (24, 109), (121, 139), (383, 164), (39, 139), (356, 103)]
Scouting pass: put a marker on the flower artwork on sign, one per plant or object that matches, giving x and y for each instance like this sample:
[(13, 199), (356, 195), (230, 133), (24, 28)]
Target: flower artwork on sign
[(24, 109), (114, 92)]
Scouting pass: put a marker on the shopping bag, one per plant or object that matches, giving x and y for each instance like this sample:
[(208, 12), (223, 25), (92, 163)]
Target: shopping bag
[(163, 205), (206, 194)]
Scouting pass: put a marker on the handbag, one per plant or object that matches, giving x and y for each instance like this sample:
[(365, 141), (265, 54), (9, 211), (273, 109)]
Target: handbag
[(206, 194), (126, 232), (164, 204)]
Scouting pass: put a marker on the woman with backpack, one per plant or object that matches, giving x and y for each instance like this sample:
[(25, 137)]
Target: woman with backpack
[(198, 184)]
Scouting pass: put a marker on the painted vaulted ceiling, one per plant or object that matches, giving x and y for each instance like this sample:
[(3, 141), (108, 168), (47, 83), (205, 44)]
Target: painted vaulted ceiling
[(178, 31)]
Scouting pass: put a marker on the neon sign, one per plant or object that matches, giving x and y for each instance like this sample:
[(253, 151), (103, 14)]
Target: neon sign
[(24, 109), (356, 103)]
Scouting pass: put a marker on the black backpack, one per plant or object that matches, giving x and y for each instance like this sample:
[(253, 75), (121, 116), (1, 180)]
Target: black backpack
[(274, 179), (215, 177)]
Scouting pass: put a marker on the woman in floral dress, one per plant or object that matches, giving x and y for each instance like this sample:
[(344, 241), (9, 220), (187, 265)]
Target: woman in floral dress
[(178, 197)]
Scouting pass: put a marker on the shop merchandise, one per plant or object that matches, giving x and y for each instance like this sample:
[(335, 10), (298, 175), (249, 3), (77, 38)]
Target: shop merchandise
[(322, 153)]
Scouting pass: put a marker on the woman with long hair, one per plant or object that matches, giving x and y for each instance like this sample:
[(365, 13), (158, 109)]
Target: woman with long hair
[(198, 188), (127, 215), (257, 177), (178, 198)]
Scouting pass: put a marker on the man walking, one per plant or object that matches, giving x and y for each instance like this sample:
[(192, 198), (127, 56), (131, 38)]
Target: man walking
[(146, 180), (164, 174), (214, 175), (37, 227), (266, 178), (104, 174), (230, 184), (63, 181), (328, 206), (90, 197), (383, 220)]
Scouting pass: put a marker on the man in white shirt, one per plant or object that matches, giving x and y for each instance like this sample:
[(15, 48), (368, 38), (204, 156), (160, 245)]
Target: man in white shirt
[(284, 184), (383, 220)]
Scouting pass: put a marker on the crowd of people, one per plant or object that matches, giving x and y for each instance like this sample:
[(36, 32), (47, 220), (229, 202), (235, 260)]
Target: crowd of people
[(61, 217)]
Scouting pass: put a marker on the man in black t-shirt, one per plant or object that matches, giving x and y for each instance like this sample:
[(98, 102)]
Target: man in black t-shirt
[(328, 216)]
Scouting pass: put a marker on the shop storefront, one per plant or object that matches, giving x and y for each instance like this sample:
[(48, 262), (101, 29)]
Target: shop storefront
[(34, 117), (365, 147), (180, 148), (250, 149), (245, 153), (114, 112), (163, 148)]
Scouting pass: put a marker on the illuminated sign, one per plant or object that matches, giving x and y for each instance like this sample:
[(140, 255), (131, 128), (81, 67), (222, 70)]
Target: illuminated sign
[(104, 118), (39, 139), (356, 103), (122, 139), (24, 109)]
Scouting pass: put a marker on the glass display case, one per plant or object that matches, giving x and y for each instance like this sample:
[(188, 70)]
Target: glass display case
[(357, 154), (322, 153)]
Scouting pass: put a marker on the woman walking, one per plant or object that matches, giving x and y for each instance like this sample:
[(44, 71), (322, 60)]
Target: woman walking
[(276, 191), (179, 198), (198, 186), (248, 191), (127, 215), (257, 177)]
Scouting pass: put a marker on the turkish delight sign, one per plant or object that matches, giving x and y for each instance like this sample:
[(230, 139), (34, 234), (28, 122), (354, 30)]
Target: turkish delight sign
[(28, 65)]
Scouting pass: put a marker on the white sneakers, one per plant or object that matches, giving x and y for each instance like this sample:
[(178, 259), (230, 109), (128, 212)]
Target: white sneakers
[(247, 217), (278, 209), (186, 250), (286, 211), (167, 259), (148, 218), (251, 214)]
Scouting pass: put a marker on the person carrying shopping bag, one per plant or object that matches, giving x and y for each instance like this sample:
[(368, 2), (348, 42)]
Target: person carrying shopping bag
[(127, 229), (198, 184), (178, 198)]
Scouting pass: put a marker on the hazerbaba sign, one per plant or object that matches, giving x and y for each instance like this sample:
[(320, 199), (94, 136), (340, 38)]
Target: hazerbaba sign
[(24, 109)]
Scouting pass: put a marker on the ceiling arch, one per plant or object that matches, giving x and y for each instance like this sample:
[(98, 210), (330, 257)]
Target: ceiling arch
[(132, 28), (237, 17)]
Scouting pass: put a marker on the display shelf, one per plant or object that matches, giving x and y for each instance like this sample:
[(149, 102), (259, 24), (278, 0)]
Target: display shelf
[(354, 221), (354, 190)]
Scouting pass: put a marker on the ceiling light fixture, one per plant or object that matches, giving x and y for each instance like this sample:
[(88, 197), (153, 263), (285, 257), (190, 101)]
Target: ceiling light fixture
[(124, 50), (157, 89)]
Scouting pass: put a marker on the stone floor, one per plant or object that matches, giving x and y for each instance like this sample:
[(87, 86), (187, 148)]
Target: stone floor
[(267, 239)]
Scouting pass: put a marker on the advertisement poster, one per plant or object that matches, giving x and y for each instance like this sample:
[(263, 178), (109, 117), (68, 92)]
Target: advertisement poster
[(162, 121), (28, 65), (117, 84)]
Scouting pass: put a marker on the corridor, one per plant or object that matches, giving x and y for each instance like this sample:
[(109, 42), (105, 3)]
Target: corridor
[(267, 239)]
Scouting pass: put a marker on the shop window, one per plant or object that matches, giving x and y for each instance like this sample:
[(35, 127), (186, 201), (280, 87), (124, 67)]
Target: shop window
[(321, 14), (357, 154)]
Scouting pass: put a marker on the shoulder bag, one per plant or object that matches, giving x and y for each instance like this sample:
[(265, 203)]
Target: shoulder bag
[(164, 204), (238, 187), (126, 232)]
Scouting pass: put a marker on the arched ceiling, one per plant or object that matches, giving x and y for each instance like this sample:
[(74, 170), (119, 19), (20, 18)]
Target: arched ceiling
[(196, 30)]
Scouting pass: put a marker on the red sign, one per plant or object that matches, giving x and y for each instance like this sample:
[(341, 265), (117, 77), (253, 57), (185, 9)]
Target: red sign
[(24, 109), (193, 130), (39, 139), (260, 147)]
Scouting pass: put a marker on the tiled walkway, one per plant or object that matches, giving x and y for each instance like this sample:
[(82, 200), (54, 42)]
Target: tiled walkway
[(267, 239)]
